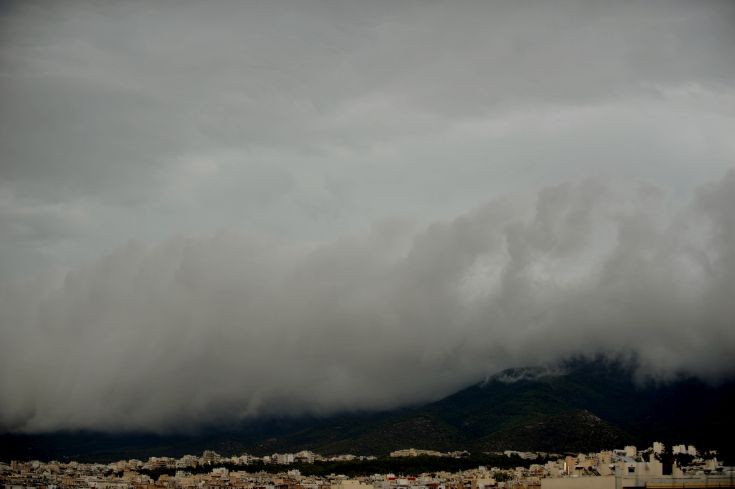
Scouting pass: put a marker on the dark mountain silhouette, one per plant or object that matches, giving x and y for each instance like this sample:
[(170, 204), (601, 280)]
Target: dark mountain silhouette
[(581, 406)]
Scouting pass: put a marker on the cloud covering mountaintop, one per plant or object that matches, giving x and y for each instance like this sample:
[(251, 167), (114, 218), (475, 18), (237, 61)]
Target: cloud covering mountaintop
[(193, 330), (298, 184)]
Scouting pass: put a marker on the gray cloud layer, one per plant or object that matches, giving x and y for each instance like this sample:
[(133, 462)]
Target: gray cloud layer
[(216, 328), (310, 119), (297, 126)]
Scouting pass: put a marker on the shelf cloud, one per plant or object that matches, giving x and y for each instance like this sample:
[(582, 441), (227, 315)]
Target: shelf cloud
[(216, 212), (233, 325)]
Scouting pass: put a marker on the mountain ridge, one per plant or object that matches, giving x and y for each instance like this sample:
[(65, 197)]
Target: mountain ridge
[(580, 406)]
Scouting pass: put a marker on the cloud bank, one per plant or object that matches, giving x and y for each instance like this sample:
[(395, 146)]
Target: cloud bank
[(213, 329), (246, 149), (309, 119)]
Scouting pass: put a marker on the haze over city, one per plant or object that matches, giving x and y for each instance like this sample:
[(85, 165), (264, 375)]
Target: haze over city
[(219, 211)]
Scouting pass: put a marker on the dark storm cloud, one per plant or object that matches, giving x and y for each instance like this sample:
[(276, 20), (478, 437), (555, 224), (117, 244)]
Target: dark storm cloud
[(102, 98), (398, 314), (297, 127)]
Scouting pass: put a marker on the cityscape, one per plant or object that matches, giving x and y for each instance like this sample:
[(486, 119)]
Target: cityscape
[(629, 467)]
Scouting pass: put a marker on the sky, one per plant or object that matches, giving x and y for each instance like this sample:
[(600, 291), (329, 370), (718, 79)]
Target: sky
[(224, 210)]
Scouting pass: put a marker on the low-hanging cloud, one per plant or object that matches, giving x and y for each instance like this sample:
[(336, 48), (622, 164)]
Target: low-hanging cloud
[(214, 329)]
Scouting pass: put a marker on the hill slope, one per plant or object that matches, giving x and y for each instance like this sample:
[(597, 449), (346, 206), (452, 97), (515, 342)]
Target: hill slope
[(584, 406)]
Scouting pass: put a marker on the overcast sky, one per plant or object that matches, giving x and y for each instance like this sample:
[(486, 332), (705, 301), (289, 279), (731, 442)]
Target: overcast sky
[(317, 206)]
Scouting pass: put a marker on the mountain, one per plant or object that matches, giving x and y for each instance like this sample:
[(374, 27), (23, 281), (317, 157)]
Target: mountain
[(580, 406), (574, 431)]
